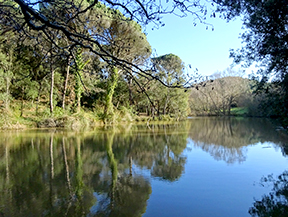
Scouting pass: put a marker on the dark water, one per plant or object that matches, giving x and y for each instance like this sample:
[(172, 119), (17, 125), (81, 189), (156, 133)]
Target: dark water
[(201, 167)]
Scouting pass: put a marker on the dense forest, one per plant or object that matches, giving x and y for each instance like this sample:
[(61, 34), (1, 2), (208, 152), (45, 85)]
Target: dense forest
[(40, 80), (75, 63)]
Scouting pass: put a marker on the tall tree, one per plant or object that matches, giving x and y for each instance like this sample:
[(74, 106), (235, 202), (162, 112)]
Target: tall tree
[(170, 69), (6, 71), (123, 38), (80, 64), (68, 20)]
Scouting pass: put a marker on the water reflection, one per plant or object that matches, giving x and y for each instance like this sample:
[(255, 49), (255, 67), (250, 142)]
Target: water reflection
[(63, 174), (126, 194), (227, 138), (276, 202), (108, 172)]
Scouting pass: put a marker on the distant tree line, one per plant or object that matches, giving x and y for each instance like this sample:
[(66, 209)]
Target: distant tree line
[(229, 94)]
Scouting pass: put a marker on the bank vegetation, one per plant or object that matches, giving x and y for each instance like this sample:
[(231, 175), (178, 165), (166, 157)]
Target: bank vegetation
[(77, 64)]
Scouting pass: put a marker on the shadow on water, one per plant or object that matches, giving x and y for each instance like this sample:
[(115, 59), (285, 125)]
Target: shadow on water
[(108, 172)]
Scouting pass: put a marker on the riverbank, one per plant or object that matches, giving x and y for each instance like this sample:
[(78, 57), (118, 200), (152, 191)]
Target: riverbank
[(28, 118), (13, 120), (237, 111)]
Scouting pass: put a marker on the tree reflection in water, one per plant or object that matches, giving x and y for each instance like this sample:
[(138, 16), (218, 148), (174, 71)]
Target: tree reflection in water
[(126, 194), (101, 173), (227, 138), (275, 204), (169, 164), (54, 174)]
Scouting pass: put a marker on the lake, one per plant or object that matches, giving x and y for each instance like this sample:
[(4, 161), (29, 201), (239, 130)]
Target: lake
[(199, 167)]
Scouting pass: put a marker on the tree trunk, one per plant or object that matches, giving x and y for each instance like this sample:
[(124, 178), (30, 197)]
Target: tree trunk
[(51, 92), (158, 108), (108, 109), (223, 108), (52, 81), (153, 112), (79, 103), (22, 102), (229, 110), (7, 103), (78, 90), (38, 98), (229, 105), (165, 104), (130, 92), (66, 84)]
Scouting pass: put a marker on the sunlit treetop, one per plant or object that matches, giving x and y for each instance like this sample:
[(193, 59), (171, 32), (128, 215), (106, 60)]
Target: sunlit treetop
[(80, 22)]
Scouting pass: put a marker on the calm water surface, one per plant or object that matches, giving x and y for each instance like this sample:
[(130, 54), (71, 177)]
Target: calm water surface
[(201, 167)]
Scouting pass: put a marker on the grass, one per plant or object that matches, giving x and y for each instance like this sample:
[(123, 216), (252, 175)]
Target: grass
[(8, 120), (84, 119), (239, 111)]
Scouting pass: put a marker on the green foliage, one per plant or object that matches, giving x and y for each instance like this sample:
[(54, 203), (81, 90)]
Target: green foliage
[(6, 73), (114, 93), (58, 112), (266, 44), (79, 89), (109, 115), (171, 68), (44, 113), (265, 40), (32, 91), (239, 111), (123, 37), (125, 114), (272, 100), (167, 100)]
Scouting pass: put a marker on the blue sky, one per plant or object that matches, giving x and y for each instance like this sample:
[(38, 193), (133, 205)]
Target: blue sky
[(206, 50)]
